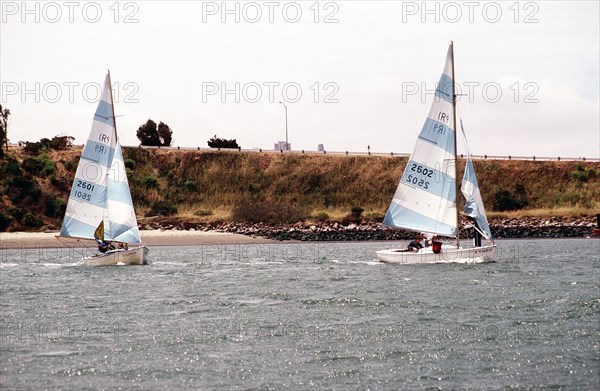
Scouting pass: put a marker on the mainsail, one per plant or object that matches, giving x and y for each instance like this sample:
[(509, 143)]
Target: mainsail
[(425, 200), (470, 188), (100, 192)]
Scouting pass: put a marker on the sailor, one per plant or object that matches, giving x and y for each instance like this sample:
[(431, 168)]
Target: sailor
[(477, 235), (103, 246), (476, 232), (426, 241), (415, 245)]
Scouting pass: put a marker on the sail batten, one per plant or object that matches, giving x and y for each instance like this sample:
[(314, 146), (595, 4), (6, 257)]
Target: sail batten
[(425, 200), (100, 193)]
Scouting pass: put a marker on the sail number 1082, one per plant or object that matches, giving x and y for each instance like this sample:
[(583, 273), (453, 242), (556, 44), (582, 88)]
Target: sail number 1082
[(419, 180)]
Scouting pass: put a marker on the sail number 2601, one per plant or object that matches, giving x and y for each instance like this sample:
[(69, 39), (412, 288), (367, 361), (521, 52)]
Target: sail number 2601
[(419, 181), (85, 186)]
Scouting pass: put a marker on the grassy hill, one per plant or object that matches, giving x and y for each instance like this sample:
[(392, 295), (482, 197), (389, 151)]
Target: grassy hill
[(221, 186)]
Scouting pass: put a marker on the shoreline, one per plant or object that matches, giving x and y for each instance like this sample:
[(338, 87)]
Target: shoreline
[(342, 231), (26, 241), (31, 240), (173, 232)]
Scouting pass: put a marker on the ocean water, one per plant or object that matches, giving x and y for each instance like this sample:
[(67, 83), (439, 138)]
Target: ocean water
[(302, 316)]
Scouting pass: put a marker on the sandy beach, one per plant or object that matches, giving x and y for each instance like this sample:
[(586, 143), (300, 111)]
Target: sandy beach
[(24, 240)]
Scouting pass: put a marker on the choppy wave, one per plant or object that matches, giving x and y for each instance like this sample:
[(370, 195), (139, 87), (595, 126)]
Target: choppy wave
[(193, 320)]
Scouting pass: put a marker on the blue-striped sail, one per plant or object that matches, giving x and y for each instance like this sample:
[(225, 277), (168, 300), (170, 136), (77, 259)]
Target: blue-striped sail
[(121, 214), (470, 188), (425, 200), (99, 177)]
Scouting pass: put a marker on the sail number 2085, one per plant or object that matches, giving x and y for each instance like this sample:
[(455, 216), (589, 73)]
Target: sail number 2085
[(419, 181)]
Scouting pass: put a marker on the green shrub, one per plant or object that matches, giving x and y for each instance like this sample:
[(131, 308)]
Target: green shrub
[(60, 142), (504, 200), (55, 206), (357, 212), (22, 187), (40, 165), (130, 163), (60, 183), (17, 213), (150, 182), (57, 142), (48, 166), (583, 175), (32, 165), (33, 148), (162, 208), (190, 185), (5, 221), (31, 221), (10, 167), (70, 166)]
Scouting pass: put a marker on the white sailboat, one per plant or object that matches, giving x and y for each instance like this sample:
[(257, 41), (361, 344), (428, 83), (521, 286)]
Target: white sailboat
[(425, 200), (100, 206)]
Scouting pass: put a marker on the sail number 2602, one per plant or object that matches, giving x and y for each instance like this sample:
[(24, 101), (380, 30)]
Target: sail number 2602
[(423, 171)]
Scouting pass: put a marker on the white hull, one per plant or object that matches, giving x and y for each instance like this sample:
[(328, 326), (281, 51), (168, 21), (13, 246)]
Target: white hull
[(133, 256), (449, 254)]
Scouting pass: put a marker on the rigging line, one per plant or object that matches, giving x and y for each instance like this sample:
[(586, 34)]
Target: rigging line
[(481, 232)]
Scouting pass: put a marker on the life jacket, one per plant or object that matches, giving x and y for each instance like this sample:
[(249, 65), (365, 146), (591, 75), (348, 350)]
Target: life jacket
[(436, 247)]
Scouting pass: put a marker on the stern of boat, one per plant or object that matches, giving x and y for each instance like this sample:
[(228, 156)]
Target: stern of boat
[(449, 254), (132, 256)]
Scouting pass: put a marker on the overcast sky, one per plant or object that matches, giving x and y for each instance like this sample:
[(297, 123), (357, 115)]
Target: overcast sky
[(352, 73)]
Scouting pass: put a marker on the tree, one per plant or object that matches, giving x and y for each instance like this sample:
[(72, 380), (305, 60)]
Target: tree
[(148, 134), (165, 134), (153, 136), (4, 113), (61, 142), (33, 148), (58, 143), (216, 142)]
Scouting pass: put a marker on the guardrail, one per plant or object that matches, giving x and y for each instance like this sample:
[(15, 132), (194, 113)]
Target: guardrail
[(349, 153), (382, 154)]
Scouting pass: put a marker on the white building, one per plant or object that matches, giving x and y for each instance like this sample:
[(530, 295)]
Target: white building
[(283, 146)]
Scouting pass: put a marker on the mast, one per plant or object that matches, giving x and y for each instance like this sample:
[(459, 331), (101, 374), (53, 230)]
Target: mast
[(112, 104), (105, 218), (455, 150)]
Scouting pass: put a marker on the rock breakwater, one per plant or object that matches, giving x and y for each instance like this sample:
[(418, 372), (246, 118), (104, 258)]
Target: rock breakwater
[(525, 227)]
